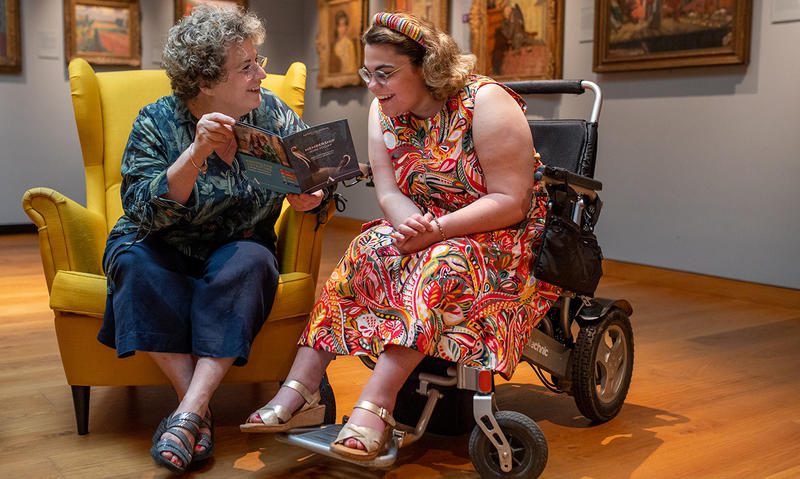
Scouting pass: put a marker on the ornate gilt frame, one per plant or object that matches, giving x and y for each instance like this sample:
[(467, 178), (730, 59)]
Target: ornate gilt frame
[(11, 62), (555, 41), (440, 17), (325, 78), (180, 6), (737, 53), (134, 57)]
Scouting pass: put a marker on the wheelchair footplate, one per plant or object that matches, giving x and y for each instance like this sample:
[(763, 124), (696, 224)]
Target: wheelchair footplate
[(318, 440)]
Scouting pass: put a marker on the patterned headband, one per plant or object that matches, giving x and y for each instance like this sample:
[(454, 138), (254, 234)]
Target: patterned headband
[(399, 24)]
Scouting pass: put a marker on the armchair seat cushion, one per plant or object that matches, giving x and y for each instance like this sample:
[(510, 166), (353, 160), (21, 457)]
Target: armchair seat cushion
[(85, 293)]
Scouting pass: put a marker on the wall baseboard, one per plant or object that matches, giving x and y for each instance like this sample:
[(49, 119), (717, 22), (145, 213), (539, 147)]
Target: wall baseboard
[(26, 228), (728, 288)]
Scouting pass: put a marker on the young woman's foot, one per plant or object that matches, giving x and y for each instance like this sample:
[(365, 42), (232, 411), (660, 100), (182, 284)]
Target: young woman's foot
[(364, 418), (286, 397), (363, 438), (294, 406)]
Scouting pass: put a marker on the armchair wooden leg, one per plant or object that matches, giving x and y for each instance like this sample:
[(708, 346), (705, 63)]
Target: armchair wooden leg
[(80, 399)]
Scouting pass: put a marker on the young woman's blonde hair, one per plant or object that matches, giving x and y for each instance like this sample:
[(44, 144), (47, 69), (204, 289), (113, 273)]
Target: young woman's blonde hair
[(445, 69), (195, 53)]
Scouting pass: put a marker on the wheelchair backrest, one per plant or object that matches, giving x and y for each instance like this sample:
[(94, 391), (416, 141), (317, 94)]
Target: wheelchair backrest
[(568, 144)]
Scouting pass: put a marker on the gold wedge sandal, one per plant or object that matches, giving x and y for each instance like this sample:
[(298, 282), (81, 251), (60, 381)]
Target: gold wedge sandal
[(372, 439), (279, 418)]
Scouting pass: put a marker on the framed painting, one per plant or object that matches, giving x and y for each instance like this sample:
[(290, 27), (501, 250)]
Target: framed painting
[(183, 7), (654, 34), (339, 42), (10, 39), (434, 11), (518, 39), (103, 32)]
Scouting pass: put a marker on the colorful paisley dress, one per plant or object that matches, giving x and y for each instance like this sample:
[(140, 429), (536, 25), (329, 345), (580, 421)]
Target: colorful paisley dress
[(470, 299)]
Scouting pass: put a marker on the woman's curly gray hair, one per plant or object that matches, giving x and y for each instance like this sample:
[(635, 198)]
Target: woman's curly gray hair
[(194, 55), (445, 69)]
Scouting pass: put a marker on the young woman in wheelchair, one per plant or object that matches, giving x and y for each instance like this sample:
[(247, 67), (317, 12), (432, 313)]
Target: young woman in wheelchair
[(447, 272), (191, 265)]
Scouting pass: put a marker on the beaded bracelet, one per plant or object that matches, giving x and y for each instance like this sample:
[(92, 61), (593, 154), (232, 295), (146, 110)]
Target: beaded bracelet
[(441, 230)]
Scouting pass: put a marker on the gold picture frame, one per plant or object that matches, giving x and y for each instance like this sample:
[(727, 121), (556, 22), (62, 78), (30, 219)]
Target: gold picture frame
[(183, 7), (519, 39), (11, 44), (670, 34), (339, 42), (103, 32), (434, 11)]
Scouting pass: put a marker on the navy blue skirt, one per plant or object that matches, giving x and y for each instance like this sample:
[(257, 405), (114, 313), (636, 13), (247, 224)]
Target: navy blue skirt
[(160, 300)]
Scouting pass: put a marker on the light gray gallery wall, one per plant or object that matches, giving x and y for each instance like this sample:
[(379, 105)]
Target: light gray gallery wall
[(37, 126), (699, 165)]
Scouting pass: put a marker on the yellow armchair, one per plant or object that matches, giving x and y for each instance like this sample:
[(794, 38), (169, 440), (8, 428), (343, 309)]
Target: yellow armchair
[(72, 239)]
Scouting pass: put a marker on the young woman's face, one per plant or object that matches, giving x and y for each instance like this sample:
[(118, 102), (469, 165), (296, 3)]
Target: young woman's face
[(405, 89)]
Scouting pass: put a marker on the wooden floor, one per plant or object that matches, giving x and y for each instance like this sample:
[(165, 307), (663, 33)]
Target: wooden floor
[(715, 394)]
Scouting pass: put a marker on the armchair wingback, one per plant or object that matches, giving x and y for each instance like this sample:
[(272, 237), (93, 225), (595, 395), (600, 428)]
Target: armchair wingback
[(72, 239)]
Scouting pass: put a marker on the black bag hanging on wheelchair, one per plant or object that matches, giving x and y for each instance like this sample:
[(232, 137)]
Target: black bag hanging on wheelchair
[(568, 255)]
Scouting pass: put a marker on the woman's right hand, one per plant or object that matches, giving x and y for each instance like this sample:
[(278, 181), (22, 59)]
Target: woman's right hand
[(214, 132)]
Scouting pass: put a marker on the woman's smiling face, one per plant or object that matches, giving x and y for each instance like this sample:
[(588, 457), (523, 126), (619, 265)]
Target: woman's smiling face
[(405, 89), (240, 92)]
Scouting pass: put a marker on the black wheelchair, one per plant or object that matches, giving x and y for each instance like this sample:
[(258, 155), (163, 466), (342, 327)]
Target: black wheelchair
[(583, 347)]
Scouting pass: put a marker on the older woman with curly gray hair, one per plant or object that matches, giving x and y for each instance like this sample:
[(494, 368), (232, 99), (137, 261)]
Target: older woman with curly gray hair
[(191, 264)]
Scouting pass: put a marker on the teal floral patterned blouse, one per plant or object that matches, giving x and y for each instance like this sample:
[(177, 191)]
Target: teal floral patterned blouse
[(223, 205)]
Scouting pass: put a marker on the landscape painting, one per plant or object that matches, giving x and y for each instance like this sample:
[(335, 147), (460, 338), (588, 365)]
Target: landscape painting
[(103, 33)]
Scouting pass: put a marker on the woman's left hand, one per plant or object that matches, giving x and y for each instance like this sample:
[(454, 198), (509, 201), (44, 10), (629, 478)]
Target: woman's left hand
[(305, 201)]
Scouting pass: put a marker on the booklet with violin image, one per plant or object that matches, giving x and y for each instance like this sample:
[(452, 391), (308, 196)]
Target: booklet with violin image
[(303, 162)]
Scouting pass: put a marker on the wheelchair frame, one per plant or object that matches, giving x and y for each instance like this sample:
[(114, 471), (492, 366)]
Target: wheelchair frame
[(567, 344)]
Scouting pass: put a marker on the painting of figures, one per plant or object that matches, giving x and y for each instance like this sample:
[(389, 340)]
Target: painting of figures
[(434, 11), (103, 32), (341, 23), (518, 39), (184, 7), (10, 45), (645, 34)]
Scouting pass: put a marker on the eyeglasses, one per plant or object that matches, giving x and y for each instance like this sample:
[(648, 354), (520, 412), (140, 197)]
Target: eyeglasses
[(251, 70), (380, 76)]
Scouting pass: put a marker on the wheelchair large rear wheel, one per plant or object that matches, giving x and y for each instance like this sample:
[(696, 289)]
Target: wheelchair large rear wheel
[(603, 365), (527, 442)]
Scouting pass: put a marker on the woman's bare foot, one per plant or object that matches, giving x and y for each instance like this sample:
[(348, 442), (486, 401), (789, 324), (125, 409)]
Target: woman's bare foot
[(167, 435), (362, 417), (286, 397)]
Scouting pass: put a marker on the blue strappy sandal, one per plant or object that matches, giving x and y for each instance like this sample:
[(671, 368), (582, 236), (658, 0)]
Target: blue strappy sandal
[(206, 440), (175, 425)]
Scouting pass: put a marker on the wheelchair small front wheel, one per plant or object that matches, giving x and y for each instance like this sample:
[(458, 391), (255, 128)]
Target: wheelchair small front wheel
[(527, 442), (603, 366)]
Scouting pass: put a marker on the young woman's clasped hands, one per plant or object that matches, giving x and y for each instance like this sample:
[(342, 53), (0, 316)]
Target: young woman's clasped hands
[(417, 232)]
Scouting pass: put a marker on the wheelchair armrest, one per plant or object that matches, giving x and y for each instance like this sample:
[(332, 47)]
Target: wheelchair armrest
[(581, 184), (71, 237)]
